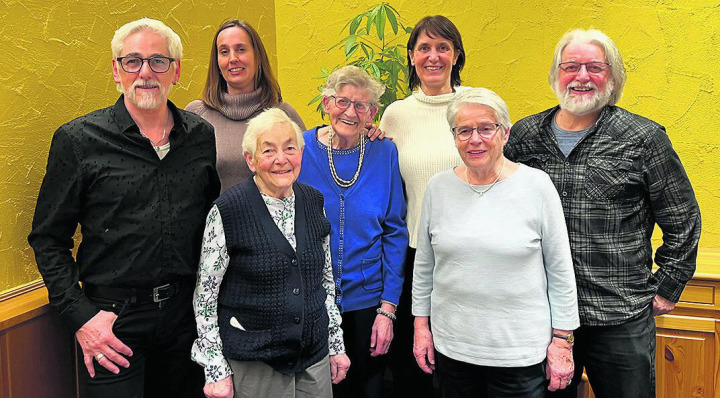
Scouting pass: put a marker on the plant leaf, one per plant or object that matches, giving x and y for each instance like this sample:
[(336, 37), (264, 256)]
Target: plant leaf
[(391, 18), (349, 45), (380, 22), (355, 23)]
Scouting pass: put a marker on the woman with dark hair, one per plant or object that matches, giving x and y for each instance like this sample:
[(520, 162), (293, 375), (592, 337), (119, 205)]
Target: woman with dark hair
[(419, 129), (240, 84)]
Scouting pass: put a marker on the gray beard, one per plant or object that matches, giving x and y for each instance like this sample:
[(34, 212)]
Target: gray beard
[(581, 108)]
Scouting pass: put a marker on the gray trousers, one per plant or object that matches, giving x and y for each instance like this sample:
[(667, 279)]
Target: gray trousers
[(256, 379)]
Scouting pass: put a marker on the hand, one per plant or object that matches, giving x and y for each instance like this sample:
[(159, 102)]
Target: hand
[(97, 339), (374, 132), (661, 305), (423, 348), (339, 365), (220, 389), (381, 335), (560, 366)]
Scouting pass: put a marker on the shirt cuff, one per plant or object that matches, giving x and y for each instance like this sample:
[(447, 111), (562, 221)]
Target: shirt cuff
[(669, 288), (79, 313)]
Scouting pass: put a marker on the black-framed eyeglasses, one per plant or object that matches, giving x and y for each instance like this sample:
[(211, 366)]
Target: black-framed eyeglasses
[(591, 67), (344, 103), (486, 131), (157, 63)]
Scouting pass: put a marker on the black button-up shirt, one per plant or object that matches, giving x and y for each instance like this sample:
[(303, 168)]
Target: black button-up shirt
[(141, 217), (620, 180)]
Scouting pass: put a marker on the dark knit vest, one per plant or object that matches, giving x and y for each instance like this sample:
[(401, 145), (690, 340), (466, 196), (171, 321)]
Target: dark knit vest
[(274, 292)]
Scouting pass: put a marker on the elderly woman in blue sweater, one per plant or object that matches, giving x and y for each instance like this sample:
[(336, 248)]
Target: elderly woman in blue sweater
[(364, 202)]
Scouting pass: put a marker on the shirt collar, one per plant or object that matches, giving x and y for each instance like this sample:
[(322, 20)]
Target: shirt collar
[(124, 121)]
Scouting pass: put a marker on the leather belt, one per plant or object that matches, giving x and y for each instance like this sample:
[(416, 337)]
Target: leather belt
[(155, 294)]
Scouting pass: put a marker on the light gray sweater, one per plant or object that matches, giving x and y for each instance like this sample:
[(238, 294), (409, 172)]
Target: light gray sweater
[(494, 273)]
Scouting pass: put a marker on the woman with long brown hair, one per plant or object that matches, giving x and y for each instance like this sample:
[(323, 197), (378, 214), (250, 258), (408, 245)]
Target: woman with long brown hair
[(240, 84)]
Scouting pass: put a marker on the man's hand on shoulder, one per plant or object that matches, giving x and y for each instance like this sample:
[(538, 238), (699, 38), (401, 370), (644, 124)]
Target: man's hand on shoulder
[(99, 343)]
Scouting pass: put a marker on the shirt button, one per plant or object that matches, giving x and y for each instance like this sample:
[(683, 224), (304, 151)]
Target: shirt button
[(296, 291), (567, 164), (294, 262), (297, 320), (564, 193)]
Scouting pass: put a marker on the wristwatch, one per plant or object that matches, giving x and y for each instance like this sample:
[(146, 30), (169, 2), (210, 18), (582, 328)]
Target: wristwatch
[(570, 338)]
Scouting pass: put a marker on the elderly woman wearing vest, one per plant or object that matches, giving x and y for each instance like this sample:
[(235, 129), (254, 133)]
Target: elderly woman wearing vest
[(265, 306)]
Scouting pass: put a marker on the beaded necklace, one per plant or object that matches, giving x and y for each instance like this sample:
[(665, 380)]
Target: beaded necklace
[(339, 181)]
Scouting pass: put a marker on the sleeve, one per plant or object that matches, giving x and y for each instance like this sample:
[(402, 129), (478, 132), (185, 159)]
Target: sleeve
[(422, 285), (335, 333), (562, 291), (395, 235), (214, 261), (510, 148), (676, 211), (56, 218)]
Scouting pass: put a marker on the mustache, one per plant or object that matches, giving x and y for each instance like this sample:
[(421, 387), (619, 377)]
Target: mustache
[(145, 83), (582, 85)]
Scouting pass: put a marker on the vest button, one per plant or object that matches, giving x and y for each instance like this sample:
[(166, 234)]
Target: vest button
[(296, 291), (294, 262), (297, 319)]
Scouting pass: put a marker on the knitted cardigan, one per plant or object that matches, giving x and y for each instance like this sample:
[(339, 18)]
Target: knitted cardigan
[(274, 292)]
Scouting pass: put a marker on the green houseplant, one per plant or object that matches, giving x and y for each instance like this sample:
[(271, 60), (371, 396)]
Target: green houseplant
[(370, 46)]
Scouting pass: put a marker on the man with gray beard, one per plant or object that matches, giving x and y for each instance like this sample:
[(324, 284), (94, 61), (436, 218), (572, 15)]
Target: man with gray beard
[(617, 175), (139, 178)]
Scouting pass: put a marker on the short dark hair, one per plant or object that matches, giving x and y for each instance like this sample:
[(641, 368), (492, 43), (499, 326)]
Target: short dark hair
[(264, 77), (437, 25)]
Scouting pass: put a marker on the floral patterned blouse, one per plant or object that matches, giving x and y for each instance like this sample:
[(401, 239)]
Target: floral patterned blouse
[(214, 260)]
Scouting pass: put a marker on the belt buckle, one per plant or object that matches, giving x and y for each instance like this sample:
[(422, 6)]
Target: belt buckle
[(156, 293)]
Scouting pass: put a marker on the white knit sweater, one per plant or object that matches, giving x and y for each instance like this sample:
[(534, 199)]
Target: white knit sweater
[(419, 128)]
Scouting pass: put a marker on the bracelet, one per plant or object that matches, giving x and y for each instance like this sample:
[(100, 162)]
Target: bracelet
[(387, 314)]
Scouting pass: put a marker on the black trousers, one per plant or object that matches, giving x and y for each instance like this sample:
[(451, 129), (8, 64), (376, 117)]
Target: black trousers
[(408, 378), (365, 377), (161, 337), (619, 359), (463, 380)]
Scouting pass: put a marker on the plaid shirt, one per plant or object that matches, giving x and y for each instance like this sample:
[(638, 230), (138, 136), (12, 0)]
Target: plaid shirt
[(620, 179)]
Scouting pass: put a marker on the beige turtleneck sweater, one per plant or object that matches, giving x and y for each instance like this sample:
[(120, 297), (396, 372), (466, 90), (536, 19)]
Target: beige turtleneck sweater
[(419, 128), (230, 125)]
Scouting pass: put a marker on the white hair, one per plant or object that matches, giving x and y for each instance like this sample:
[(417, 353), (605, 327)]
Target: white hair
[(612, 56), (263, 123), (172, 38), (479, 96), (357, 77)]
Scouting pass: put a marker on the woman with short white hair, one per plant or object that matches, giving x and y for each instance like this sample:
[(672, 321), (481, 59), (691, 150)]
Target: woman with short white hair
[(364, 200), (265, 306), (493, 272)]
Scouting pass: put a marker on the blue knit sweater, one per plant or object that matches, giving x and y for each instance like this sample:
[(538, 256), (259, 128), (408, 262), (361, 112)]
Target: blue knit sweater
[(368, 236)]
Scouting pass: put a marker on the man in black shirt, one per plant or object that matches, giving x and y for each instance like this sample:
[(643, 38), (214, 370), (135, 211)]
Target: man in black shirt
[(139, 178), (617, 175)]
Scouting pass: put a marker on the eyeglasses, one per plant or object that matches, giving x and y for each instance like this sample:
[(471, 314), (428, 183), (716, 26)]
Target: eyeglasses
[(591, 67), (157, 63), (344, 103), (486, 131)]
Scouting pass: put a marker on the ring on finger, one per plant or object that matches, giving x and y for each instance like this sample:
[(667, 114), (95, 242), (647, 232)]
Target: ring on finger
[(569, 381), (100, 356)]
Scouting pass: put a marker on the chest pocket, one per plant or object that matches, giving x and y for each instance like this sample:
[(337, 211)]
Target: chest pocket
[(607, 178), (534, 160)]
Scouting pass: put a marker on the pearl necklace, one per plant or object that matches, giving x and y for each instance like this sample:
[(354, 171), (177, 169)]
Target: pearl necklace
[(491, 185), (339, 181), (154, 145)]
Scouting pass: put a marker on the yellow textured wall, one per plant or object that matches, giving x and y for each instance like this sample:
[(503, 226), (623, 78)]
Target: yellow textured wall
[(55, 66), (670, 48)]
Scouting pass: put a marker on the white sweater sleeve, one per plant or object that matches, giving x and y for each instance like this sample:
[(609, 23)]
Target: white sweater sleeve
[(559, 270)]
